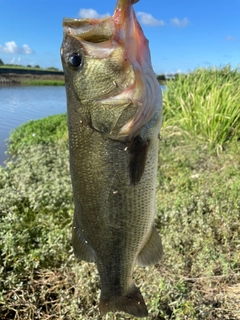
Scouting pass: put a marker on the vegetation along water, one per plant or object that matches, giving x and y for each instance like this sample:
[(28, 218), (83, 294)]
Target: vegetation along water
[(19, 104), (198, 213)]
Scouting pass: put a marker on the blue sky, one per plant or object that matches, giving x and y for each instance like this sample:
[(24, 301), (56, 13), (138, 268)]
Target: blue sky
[(183, 34)]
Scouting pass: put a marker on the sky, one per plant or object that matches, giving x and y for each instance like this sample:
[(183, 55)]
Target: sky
[(183, 34)]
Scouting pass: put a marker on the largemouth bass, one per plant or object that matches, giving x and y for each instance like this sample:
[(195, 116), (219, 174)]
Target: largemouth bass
[(114, 117)]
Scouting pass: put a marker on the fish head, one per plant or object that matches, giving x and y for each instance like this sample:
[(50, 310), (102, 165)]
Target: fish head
[(108, 72)]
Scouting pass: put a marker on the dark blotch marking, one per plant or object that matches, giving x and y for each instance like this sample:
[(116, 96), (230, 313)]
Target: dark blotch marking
[(138, 156)]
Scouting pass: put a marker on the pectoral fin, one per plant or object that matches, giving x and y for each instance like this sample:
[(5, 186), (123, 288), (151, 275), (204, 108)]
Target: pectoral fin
[(152, 252), (81, 248), (138, 156)]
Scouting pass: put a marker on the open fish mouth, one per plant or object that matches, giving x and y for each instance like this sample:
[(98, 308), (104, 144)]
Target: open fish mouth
[(99, 38)]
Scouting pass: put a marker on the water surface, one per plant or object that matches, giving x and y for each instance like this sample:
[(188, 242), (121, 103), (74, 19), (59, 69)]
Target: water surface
[(19, 104)]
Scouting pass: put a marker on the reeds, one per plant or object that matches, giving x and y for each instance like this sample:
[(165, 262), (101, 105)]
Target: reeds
[(205, 104)]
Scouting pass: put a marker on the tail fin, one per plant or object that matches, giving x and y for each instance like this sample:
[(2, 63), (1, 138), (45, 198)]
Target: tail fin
[(132, 303)]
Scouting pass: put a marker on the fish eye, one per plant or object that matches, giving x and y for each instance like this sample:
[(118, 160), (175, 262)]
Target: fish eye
[(75, 60)]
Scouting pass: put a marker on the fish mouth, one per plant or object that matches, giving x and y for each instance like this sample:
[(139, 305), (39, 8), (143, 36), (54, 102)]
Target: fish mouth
[(91, 30), (100, 37)]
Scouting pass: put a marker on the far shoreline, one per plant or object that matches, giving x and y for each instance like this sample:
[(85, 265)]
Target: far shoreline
[(30, 76)]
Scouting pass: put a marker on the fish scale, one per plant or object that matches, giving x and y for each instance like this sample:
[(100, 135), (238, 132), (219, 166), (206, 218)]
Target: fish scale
[(114, 117)]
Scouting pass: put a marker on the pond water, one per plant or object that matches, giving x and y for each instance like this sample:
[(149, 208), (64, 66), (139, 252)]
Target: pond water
[(19, 104)]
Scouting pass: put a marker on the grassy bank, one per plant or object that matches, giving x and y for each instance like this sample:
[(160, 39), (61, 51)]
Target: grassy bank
[(29, 68), (31, 76), (197, 214), (42, 82)]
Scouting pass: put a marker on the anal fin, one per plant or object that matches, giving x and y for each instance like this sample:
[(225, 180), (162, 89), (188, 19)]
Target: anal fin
[(152, 252), (81, 248)]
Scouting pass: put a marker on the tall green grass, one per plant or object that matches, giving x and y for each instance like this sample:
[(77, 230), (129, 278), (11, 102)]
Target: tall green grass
[(205, 104)]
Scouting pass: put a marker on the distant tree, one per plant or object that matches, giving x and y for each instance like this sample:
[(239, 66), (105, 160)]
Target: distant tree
[(161, 77), (29, 66), (53, 68), (13, 65), (1, 62), (36, 66)]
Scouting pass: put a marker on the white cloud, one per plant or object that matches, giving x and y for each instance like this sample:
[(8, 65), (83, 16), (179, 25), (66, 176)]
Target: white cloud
[(180, 23), (12, 48), (91, 14), (27, 49), (147, 19)]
